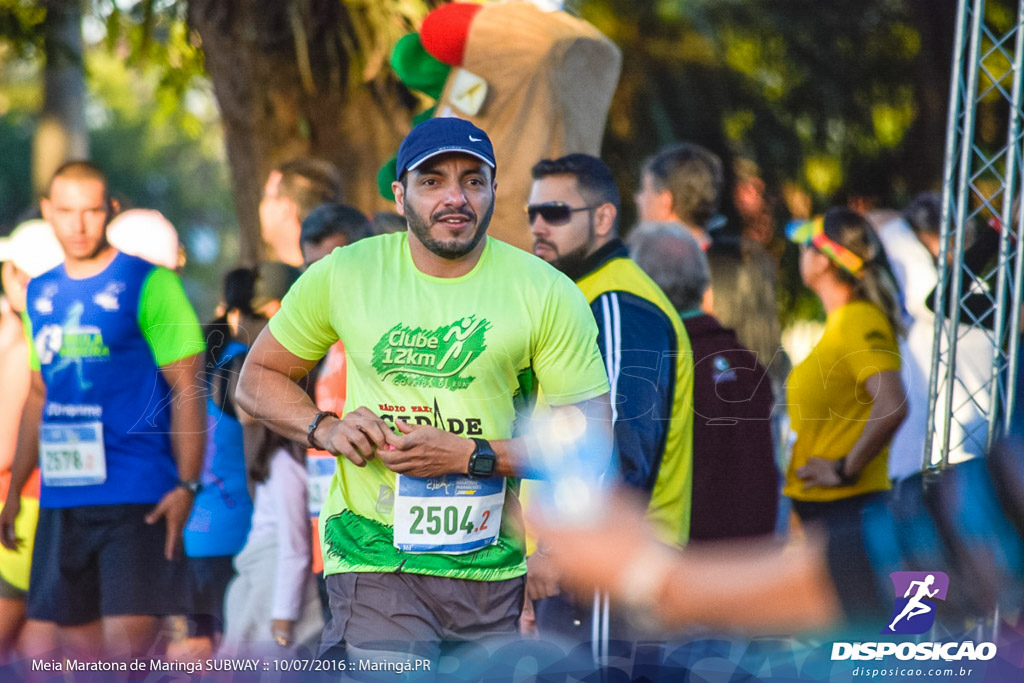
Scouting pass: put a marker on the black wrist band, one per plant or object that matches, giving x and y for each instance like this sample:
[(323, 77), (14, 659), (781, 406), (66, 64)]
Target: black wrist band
[(844, 478), (193, 486), (316, 423)]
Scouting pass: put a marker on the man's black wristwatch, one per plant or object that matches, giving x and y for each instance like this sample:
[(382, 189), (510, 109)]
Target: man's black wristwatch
[(483, 462), (193, 486), (317, 419)]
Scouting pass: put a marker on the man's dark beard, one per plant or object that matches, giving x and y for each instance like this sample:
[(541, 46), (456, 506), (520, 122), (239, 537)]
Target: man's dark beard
[(573, 264), (452, 249)]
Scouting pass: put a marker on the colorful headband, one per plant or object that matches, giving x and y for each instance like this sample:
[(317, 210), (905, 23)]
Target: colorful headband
[(813, 233)]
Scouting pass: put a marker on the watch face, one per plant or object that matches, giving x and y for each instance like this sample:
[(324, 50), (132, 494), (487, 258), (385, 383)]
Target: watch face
[(483, 464)]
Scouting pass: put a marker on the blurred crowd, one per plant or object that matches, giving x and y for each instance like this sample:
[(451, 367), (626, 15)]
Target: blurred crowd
[(717, 434)]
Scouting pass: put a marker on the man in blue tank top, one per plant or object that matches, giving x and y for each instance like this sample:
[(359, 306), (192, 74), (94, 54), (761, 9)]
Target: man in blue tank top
[(115, 420)]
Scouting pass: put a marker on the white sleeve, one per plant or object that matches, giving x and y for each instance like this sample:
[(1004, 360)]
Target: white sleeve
[(286, 488)]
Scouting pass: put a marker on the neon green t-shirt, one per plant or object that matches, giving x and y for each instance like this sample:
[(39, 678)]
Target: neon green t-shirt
[(463, 354)]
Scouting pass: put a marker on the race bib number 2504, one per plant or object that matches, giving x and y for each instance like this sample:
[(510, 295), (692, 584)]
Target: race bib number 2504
[(451, 514)]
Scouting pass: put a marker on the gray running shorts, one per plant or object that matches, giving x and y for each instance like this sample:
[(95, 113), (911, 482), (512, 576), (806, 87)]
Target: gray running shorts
[(415, 613)]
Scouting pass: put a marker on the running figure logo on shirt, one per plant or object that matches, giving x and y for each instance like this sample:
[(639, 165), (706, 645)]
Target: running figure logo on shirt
[(914, 611), (67, 346), (431, 358)]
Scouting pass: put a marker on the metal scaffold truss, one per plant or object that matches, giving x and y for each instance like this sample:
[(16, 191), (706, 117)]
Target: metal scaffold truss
[(976, 344)]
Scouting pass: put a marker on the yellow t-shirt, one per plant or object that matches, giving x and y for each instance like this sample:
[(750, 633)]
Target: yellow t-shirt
[(828, 404)]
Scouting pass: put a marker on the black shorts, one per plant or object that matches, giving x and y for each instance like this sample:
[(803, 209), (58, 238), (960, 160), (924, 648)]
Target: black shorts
[(208, 579), (103, 560)]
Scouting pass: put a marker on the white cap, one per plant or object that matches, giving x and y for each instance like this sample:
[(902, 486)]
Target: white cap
[(32, 247), (147, 234)]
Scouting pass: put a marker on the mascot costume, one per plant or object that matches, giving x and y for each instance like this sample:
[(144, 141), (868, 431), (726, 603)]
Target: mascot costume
[(537, 79)]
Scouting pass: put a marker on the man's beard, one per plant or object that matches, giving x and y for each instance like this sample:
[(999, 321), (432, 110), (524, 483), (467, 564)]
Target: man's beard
[(451, 249), (571, 263)]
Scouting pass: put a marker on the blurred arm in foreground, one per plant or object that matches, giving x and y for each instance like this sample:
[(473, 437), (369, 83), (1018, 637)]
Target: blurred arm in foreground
[(756, 586), (966, 521)]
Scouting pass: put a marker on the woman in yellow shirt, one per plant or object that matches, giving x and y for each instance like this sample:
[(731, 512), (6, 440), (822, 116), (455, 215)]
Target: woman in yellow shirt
[(846, 400)]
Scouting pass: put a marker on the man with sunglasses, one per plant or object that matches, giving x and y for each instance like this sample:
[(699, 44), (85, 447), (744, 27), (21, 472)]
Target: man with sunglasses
[(448, 334), (573, 215)]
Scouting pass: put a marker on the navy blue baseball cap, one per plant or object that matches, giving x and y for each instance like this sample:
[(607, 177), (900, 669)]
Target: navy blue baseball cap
[(443, 135)]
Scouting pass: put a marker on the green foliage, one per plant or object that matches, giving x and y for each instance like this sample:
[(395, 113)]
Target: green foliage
[(821, 96), (811, 91), (165, 153), (16, 129), (377, 26), (21, 24), (151, 35), (21, 42), (169, 159), (160, 150)]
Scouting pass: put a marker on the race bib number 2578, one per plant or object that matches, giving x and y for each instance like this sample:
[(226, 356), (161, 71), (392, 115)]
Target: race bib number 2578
[(72, 454)]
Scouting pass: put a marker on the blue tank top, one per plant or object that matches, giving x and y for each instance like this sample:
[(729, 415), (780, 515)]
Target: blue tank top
[(222, 512), (99, 369)]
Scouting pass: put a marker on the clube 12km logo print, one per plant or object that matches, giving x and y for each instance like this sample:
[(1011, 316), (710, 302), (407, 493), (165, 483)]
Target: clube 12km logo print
[(917, 596), (435, 358)]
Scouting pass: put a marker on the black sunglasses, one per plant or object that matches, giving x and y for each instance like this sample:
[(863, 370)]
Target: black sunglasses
[(553, 213)]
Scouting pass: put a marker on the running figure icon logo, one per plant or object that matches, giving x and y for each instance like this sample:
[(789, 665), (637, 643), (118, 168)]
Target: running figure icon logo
[(914, 609)]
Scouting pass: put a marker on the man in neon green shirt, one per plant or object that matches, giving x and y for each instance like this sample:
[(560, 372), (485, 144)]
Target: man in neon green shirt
[(449, 334)]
